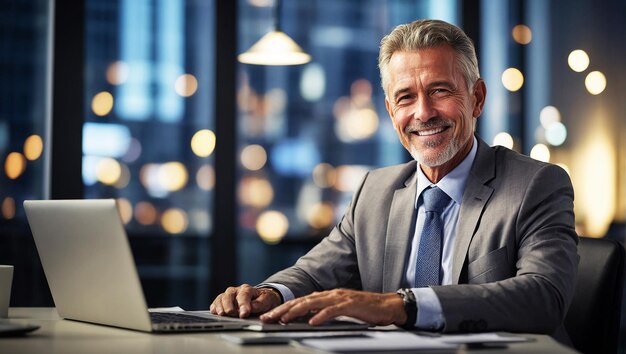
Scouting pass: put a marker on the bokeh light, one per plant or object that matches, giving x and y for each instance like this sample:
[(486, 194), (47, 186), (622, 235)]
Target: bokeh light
[(578, 60), (324, 175), (108, 171), (540, 152), (321, 215), (503, 139), (174, 221), (125, 209), (349, 177), (8, 208), (145, 213), (556, 133), (173, 176), (313, 82), (33, 147), (272, 226), (102, 103), (595, 82), (203, 143), (512, 79), (14, 165), (186, 85), (255, 192), (253, 157), (117, 73), (205, 177), (522, 34), (549, 115)]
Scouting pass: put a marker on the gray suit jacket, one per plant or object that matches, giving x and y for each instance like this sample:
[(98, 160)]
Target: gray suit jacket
[(515, 254)]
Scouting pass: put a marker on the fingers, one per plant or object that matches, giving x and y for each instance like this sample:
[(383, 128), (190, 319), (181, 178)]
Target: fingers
[(234, 301), (296, 308)]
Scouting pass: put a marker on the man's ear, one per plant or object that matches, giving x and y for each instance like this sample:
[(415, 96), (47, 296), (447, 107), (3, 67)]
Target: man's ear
[(480, 94)]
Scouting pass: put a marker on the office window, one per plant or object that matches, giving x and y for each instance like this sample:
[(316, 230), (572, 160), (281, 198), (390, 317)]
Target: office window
[(23, 109), (308, 133), (149, 136)]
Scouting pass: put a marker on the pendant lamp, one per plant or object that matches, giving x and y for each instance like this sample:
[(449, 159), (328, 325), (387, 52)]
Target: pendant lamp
[(275, 48)]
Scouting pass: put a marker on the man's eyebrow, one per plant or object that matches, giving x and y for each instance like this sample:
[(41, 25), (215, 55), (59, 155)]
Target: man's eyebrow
[(442, 83), (399, 92)]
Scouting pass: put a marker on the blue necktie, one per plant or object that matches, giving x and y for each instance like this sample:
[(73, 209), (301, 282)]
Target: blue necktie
[(428, 268)]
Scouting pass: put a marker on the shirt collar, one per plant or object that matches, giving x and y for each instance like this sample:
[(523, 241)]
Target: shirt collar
[(453, 184)]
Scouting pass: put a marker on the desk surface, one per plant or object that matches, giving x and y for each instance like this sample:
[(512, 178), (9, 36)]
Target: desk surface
[(62, 336)]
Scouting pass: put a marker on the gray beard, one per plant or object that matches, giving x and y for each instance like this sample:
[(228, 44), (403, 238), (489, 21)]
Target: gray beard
[(448, 153)]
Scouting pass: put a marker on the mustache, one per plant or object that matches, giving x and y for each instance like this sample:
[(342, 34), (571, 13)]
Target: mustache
[(432, 123)]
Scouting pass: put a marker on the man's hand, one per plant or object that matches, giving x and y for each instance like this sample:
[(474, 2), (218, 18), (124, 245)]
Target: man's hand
[(373, 308), (245, 300)]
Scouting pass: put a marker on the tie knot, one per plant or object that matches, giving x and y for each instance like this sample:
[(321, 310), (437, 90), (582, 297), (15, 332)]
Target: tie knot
[(435, 199)]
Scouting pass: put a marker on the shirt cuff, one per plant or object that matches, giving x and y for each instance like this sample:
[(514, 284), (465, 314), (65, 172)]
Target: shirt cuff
[(283, 290), (429, 312)]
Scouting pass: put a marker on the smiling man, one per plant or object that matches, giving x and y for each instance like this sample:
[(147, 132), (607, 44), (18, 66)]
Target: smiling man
[(464, 238)]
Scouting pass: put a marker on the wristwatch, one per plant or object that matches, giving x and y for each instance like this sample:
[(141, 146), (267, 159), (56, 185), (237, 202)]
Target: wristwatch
[(410, 307)]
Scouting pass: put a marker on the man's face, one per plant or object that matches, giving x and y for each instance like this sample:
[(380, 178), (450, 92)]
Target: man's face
[(430, 105)]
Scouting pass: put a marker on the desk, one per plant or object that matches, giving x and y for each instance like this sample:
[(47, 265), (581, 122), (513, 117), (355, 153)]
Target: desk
[(62, 336)]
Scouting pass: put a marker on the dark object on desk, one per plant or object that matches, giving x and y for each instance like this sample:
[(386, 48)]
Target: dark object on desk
[(593, 318), (12, 329)]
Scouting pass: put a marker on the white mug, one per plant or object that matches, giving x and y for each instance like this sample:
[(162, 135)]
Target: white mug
[(6, 279)]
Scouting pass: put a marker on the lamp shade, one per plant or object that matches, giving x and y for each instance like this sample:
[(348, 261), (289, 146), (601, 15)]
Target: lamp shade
[(275, 48)]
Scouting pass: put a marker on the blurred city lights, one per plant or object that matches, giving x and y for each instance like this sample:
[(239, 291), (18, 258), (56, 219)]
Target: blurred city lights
[(145, 213), (125, 209), (512, 79), (14, 165), (324, 175), (349, 177), (117, 73), (556, 133), (313, 82), (578, 60), (522, 34), (186, 85), (108, 171), (253, 157), (321, 215), (203, 143), (540, 152), (102, 103), (503, 139), (174, 221), (595, 82), (272, 226), (549, 115), (255, 192), (8, 208), (205, 177), (33, 147), (172, 176)]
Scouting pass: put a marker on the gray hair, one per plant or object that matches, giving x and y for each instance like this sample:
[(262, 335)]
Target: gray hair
[(424, 34)]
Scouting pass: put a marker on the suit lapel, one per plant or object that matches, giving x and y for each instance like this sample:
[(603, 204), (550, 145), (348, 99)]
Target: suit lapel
[(475, 197), (399, 228)]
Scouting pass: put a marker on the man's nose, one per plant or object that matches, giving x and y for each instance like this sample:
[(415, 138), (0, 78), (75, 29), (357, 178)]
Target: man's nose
[(423, 109)]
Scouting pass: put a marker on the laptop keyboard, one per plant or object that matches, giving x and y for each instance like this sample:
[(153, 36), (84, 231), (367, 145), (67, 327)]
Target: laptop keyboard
[(173, 317)]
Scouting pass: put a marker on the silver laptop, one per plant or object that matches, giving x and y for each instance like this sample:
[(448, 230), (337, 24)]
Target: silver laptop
[(91, 272), (92, 276)]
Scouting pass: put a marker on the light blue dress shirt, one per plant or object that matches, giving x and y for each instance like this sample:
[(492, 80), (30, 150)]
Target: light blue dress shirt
[(429, 315)]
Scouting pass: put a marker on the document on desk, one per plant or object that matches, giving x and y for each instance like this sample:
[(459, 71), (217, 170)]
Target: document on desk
[(378, 341), (398, 341)]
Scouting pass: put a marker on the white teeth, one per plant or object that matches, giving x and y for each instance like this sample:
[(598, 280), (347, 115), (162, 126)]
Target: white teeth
[(431, 131)]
